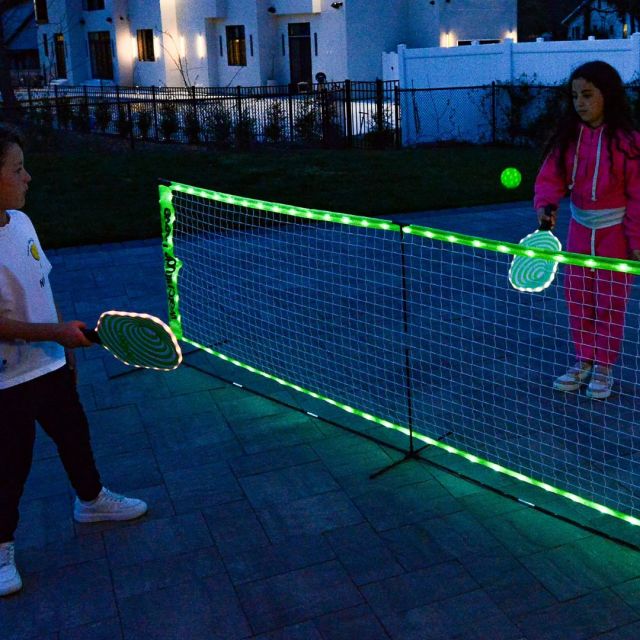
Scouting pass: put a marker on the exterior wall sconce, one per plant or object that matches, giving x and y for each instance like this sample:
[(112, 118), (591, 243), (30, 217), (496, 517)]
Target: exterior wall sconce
[(337, 5), (271, 9), (109, 19)]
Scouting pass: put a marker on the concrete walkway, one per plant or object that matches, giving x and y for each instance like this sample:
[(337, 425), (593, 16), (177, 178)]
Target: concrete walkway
[(263, 522)]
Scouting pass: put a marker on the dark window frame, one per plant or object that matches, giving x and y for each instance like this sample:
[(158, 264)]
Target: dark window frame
[(60, 53), (101, 54), (42, 12), (92, 5)]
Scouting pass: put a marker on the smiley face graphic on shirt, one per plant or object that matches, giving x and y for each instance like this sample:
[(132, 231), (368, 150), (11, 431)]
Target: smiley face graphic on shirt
[(33, 250), (35, 254)]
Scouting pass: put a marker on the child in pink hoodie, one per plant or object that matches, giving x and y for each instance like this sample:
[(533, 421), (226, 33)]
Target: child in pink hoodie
[(595, 155)]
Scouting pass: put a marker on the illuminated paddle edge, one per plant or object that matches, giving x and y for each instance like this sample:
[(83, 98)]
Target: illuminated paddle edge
[(521, 279), (166, 330)]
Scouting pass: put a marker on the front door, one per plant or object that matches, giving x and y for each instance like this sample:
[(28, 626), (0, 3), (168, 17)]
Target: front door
[(100, 54), (300, 53), (61, 63)]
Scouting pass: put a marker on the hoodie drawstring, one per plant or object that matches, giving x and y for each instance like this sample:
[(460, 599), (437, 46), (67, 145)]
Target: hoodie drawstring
[(595, 174), (575, 160), (594, 183)]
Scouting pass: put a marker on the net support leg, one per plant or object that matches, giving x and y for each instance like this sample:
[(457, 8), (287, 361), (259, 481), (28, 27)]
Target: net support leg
[(412, 454)]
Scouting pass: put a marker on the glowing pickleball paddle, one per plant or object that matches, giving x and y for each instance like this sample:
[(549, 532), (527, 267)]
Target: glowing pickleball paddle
[(531, 274), (137, 339)]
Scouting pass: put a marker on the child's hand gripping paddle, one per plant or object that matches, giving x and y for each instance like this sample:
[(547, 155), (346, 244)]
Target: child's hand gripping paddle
[(137, 339), (536, 274)]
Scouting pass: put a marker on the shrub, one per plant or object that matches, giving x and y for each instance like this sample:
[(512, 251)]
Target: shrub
[(124, 124), (244, 132), (192, 126), (218, 125), (144, 123), (64, 111), (168, 120), (103, 115), (306, 123), (275, 127)]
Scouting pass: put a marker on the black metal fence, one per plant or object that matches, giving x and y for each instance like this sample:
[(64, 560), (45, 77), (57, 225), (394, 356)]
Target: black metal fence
[(518, 113), (335, 115), (344, 114)]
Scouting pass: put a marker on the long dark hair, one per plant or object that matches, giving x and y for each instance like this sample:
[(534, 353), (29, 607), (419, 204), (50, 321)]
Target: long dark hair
[(8, 135), (618, 121)]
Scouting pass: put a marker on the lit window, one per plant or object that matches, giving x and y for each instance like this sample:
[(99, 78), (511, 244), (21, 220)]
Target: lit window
[(145, 45), (236, 46)]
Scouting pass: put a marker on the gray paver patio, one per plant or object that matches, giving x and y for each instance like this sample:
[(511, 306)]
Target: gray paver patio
[(264, 524)]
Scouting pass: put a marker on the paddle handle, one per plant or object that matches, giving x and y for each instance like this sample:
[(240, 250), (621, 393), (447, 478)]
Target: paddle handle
[(547, 225), (91, 335)]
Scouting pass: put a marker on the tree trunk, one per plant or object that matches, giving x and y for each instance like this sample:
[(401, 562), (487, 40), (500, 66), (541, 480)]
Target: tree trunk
[(587, 21)]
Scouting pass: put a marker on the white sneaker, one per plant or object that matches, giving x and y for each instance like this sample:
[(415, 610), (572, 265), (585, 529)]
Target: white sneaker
[(108, 506), (10, 580), (601, 383), (572, 380)]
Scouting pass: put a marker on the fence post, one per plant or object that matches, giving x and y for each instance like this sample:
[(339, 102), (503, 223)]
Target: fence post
[(155, 111), (239, 101), (85, 95), (396, 103), (379, 106), (130, 116), (55, 98), (493, 112), (349, 114), (291, 128)]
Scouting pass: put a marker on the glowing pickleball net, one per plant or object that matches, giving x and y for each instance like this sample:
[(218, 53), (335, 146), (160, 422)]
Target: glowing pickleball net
[(408, 328)]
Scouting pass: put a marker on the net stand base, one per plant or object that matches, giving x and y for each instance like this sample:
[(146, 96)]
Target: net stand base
[(412, 454)]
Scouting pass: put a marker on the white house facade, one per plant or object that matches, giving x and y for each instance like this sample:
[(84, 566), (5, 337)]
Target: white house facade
[(250, 42)]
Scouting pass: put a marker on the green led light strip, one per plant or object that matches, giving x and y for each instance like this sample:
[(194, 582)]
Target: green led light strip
[(173, 265), (564, 257), (426, 439), (288, 210)]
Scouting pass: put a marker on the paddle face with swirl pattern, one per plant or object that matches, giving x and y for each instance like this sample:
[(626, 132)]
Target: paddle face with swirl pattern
[(137, 339), (532, 274)]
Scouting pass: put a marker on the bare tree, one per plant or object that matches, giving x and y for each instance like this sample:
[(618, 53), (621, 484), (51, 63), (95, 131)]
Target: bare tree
[(181, 63)]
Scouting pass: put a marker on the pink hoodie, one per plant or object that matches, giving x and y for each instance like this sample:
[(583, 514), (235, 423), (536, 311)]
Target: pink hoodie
[(594, 182)]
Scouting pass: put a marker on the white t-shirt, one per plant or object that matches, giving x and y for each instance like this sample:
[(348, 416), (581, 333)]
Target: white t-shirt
[(25, 295)]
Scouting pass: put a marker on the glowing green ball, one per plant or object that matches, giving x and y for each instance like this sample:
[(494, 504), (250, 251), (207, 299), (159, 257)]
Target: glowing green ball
[(510, 178)]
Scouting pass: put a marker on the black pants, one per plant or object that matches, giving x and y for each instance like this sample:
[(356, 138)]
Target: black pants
[(53, 401)]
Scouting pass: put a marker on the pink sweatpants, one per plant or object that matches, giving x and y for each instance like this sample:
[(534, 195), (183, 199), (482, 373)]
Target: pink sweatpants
[(597, 299)]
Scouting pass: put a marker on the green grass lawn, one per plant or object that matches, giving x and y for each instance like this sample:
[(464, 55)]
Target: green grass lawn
[(97, 190)]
